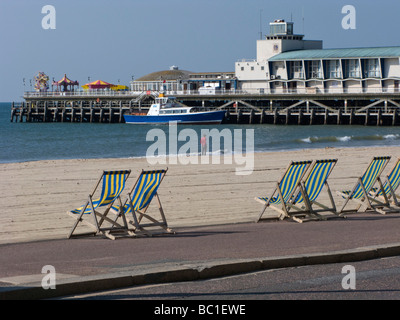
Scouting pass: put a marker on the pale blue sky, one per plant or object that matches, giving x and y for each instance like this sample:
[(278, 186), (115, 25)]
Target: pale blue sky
[(116, 39)]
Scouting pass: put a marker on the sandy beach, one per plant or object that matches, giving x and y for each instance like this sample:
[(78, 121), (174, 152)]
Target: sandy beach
[(35, 196)]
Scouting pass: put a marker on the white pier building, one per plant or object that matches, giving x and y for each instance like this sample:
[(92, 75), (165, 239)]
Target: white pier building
[(286, 63)]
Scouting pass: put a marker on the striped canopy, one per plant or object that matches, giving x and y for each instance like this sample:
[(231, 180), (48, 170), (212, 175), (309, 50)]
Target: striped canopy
[(98, 84), (66, 82)]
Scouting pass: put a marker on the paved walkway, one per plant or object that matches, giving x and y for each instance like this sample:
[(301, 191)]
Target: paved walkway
[(96, 263)]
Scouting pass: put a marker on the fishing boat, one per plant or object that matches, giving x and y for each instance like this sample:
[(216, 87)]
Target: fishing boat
[(166, 110)]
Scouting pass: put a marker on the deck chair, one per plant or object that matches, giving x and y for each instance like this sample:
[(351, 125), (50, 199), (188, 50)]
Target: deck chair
[(284, 189), (309, 191), (361, 191), (113, 183), (138, 201), (387, 194)]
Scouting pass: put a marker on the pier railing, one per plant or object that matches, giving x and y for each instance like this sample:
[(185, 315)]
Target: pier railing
[(231, 92)]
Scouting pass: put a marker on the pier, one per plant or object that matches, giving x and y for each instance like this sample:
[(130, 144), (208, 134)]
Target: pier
[(290, 108)]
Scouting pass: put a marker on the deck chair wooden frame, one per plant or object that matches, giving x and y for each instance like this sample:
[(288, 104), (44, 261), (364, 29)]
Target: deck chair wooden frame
[(138, 201), (361, 191), (387, 195), (113, 183), (284, 189), (309, 190)]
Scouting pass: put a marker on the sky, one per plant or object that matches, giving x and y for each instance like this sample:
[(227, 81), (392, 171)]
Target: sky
[(115, 40)]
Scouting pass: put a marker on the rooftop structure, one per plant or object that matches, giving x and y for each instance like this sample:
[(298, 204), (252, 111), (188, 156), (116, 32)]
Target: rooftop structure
[(185, 81), (287, 63)]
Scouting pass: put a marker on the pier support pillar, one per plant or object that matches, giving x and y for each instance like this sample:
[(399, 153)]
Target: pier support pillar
[(394, 119), (251, 117), (275, 116), (82, 111), (312, 116), (326, 116), (366, 117), (351, 117), (120, 112), (378, 117), (239, 116), (262, 115), (91, 111), (299, 120), (29, 112), (55, 114), (287, 116), (45, 115), (12, 112)]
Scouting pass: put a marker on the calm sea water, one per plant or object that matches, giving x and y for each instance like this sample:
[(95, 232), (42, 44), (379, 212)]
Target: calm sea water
[(45, 141)]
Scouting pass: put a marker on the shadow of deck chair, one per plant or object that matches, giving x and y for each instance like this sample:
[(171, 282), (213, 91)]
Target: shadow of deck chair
[(284, 189), (386, 195), (361, 191), (310, 189), (138, 201), (89, 214)]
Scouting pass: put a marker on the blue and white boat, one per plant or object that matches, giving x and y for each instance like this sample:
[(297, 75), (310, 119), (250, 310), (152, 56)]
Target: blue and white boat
[(165, 110)]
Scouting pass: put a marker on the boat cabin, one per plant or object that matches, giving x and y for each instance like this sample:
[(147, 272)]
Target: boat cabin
[(164, 106)]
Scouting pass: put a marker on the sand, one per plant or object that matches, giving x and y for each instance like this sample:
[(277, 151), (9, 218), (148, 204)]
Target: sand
[(35, 196)]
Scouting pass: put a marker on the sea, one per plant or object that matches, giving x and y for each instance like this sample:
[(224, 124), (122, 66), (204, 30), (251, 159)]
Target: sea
[(33, 141)]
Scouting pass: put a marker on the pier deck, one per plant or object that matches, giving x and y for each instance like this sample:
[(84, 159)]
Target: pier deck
[(371, 108)]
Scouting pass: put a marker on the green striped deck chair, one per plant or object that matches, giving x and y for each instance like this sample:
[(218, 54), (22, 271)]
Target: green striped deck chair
[(284, 189), (113, 183), (309, 191), (138, 201), (388, 191), (361, 191)]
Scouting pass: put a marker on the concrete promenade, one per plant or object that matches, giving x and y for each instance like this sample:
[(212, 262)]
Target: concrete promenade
[(94, 263)]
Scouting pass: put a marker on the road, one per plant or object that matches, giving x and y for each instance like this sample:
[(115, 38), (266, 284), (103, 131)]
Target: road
[(377, 279)]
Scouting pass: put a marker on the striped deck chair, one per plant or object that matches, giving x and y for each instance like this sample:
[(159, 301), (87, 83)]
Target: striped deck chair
[(89, 214), (361, 191), (138, 201), (387, 193), (309, 191), (284, 189)]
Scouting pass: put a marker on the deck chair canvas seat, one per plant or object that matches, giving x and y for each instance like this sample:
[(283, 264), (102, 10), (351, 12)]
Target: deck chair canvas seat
[(113, 183), (361, 191), (284, 189), (138, 201), (309, 191), (389, 188)]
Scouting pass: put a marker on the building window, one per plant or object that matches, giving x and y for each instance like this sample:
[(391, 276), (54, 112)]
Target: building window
[(314, 69), (241, 68), (262, 68), (352, 68), (252, 68), (371, 68), (333, 69), (296, 70)]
